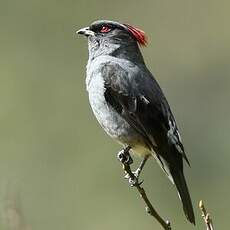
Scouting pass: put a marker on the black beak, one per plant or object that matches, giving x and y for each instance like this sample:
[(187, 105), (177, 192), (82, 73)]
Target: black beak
[(85, 31)]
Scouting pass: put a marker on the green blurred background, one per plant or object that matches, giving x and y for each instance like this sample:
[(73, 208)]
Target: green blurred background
[(58, 169)]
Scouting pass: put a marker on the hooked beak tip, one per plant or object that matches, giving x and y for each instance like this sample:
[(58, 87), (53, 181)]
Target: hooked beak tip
[(85, 31), (80, 31)]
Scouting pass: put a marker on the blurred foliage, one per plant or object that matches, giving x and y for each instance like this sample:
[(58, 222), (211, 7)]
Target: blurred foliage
[(53, 152)]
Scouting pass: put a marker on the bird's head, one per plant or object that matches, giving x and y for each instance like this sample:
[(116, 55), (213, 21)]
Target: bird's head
[(106, 37)]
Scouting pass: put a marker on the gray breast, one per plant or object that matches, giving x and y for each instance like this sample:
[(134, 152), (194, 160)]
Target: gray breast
[(114, 125), (109, 119)]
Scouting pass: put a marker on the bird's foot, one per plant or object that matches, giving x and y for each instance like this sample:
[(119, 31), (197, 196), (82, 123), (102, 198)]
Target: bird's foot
[(135, 173), (138, 170), (133, 180), (124, 157)]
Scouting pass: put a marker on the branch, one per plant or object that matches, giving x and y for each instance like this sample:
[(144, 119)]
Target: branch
[(206, 216), (134, 182)]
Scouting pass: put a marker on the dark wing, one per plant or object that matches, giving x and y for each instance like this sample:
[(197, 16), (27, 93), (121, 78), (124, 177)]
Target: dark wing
[(137, 97)]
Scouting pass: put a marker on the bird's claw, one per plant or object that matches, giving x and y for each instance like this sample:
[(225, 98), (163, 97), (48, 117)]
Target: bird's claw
[(135, 173), (134, 180), (124, 157)]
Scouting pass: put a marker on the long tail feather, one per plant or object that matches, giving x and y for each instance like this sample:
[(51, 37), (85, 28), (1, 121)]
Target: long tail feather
[(182, 188)]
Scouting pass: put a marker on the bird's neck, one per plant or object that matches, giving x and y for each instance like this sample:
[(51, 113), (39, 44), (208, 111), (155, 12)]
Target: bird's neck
[(125, 51)]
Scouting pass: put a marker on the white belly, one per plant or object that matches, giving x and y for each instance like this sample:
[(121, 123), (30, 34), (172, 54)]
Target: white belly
[(109, 119)]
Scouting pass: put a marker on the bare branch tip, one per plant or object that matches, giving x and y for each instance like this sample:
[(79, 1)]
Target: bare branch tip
[(206, 216), (201, 204)]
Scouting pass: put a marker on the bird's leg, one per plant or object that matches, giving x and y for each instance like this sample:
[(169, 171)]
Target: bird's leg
[(138, 171), (141, 166), (124, 157)]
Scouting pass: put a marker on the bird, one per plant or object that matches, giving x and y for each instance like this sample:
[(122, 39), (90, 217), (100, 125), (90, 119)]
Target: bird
[(129, 104)]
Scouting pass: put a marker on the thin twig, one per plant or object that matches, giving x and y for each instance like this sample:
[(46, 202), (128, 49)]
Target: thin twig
[(149, 207), (206, 216)]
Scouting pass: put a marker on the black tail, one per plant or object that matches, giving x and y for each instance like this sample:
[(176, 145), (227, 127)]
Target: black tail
[(182, 188)]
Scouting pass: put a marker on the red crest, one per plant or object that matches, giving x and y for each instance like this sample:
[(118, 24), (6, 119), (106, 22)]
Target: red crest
[(139, 35)]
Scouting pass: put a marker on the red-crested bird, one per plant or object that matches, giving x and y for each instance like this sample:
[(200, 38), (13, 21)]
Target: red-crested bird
[(129, 104)]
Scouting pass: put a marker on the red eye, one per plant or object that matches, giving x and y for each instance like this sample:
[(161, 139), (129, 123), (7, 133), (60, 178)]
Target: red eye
[(105, 29)]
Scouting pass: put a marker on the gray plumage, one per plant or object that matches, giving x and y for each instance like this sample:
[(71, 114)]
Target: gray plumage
[(129, 104)]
